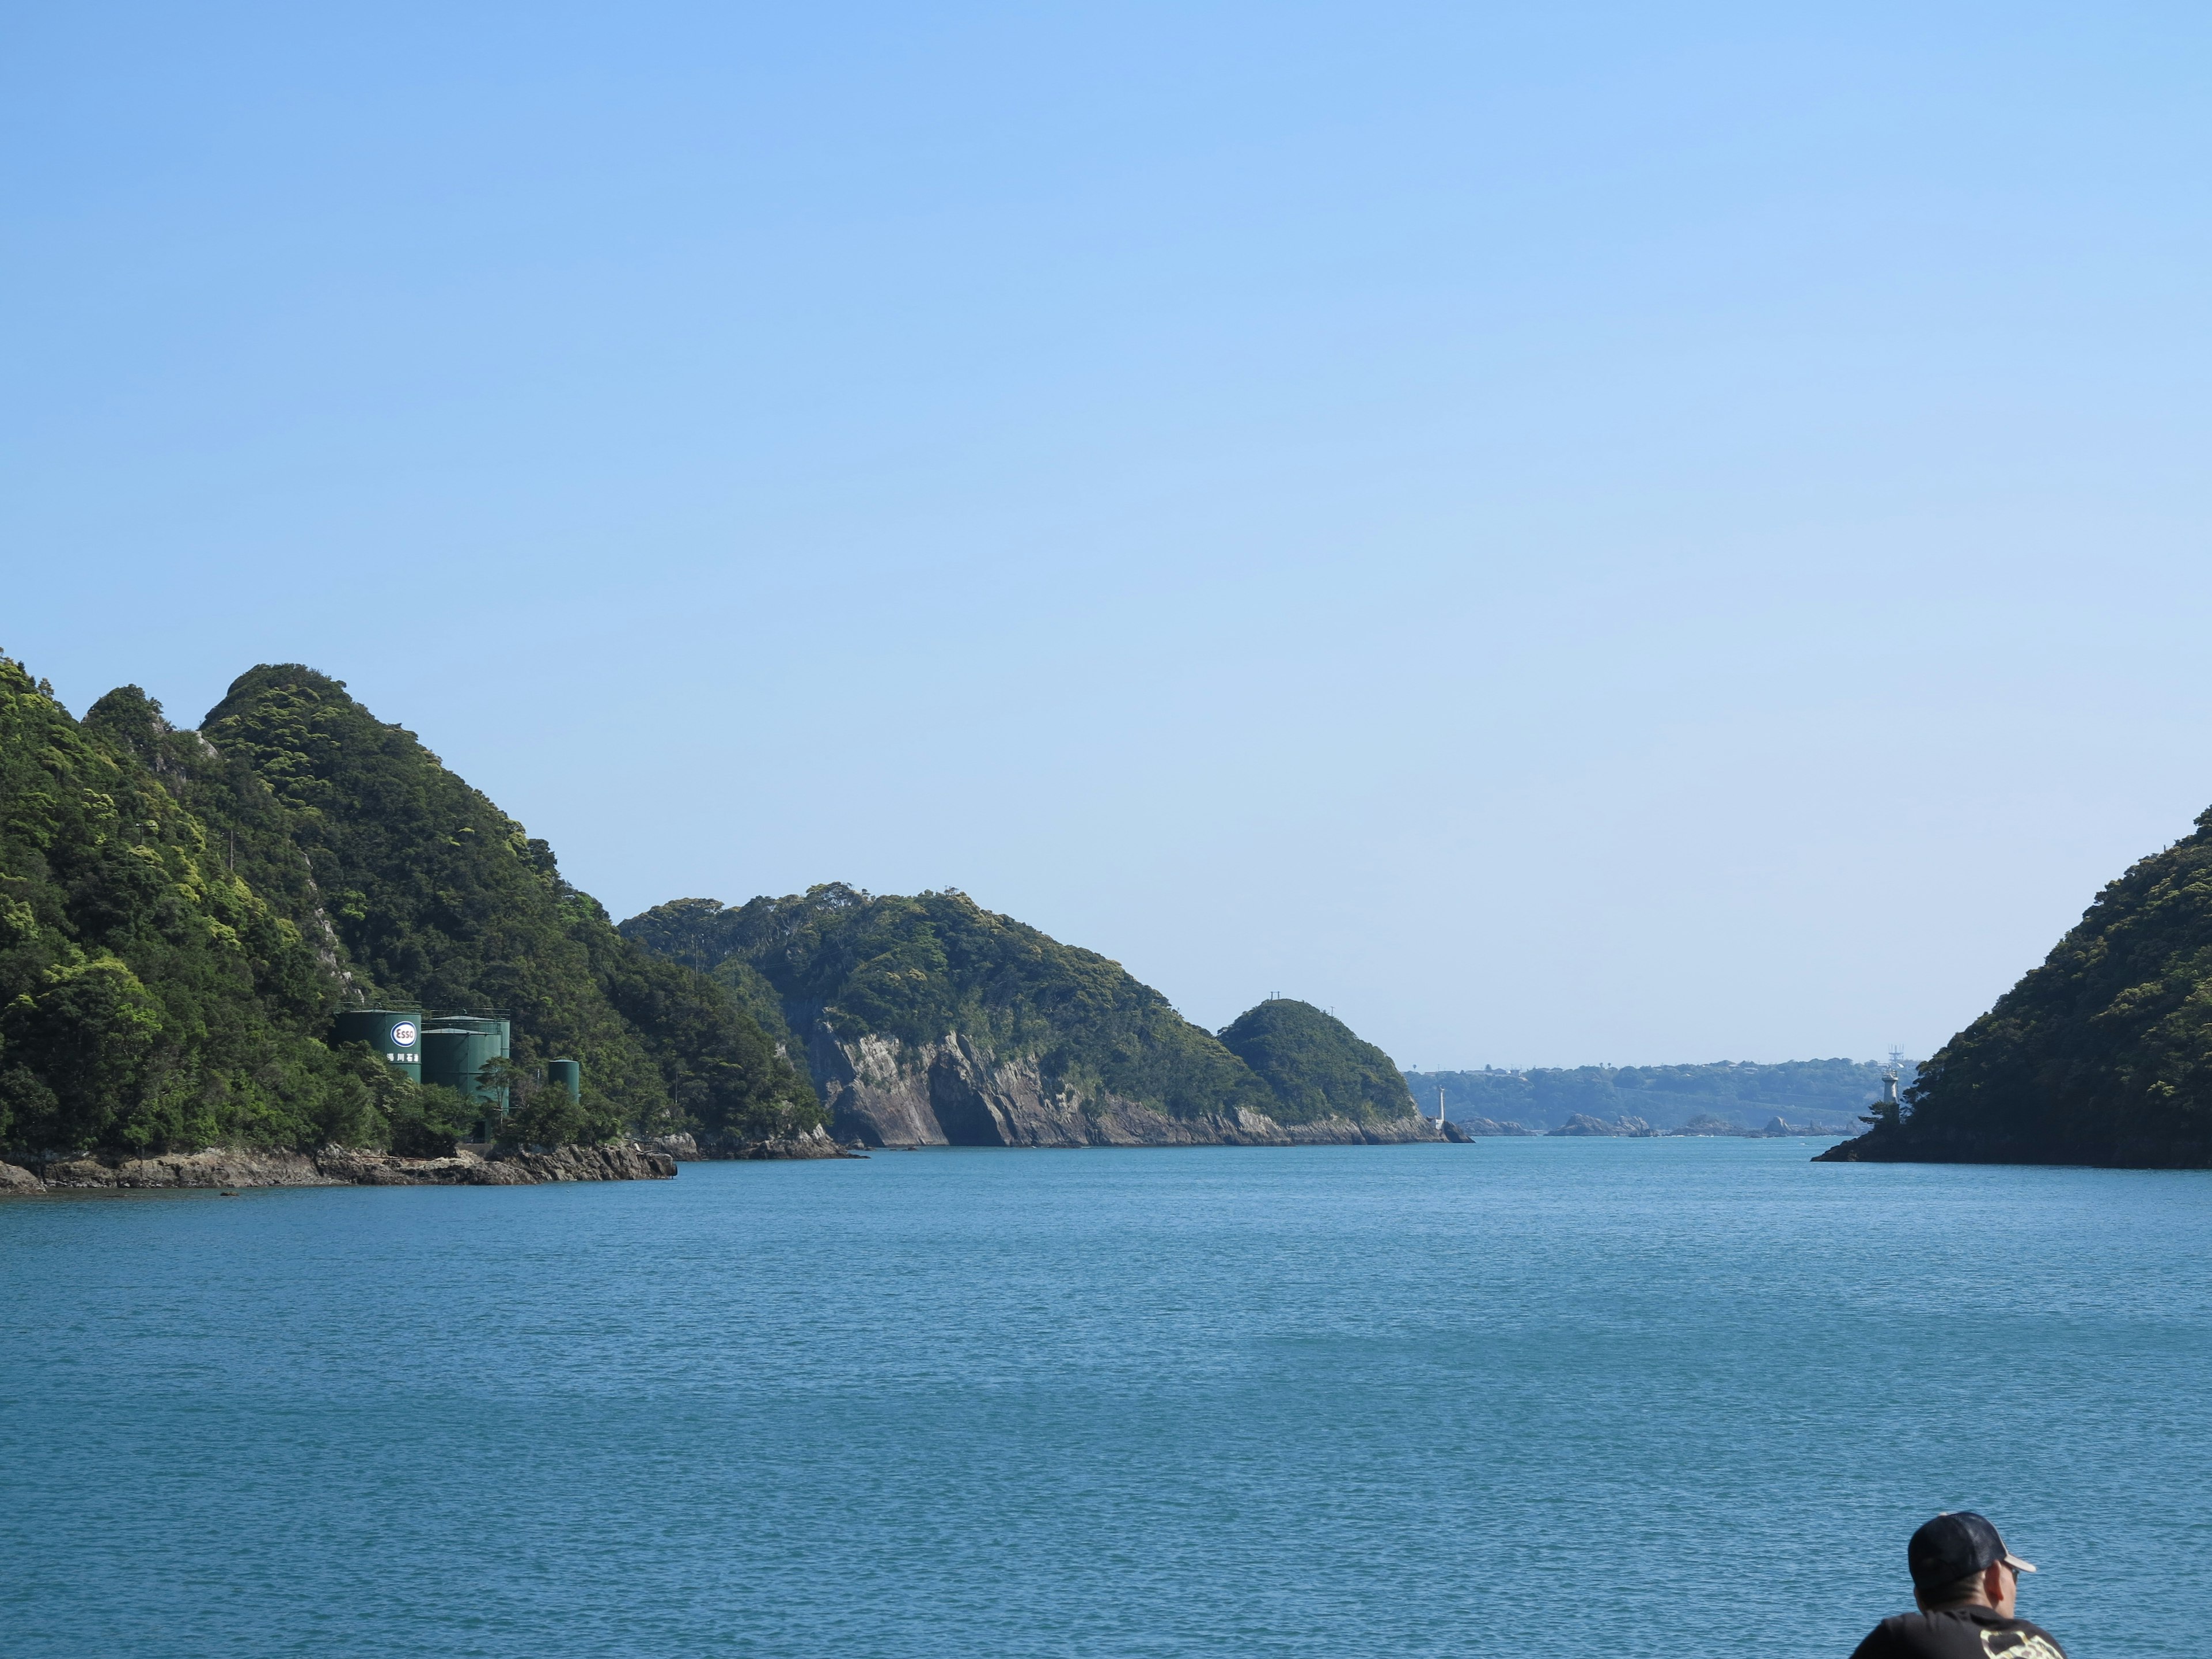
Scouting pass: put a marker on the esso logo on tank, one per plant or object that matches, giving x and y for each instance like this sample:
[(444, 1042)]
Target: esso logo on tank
[(403, 1033)]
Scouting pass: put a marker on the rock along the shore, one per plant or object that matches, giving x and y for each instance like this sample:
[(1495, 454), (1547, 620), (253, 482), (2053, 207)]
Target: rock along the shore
[(712, 1148), (341, 1166), (883, 1092)]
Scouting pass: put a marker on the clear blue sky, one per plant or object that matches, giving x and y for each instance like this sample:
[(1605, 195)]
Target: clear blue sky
[(1564, 532)]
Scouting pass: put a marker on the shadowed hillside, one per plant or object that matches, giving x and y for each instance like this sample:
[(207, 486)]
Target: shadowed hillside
[(2103, 1054)]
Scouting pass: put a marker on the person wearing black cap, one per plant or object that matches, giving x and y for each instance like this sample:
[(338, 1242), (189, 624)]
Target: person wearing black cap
[(1965, 1580)]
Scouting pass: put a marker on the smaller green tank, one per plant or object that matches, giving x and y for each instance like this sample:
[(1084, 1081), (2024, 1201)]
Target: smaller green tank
[(456, 1047), (396, 1034), (565, 1074)]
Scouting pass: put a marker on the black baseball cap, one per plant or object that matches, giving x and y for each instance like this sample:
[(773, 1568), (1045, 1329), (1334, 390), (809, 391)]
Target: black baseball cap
[(1953, 1546)]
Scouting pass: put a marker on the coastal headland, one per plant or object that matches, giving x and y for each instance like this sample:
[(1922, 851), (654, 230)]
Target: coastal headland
[(229, 956), (928, 1020)]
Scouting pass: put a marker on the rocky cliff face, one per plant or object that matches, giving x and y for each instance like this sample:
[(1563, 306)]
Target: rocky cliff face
[(710, 1148), (341, 1166), (884, 1092)]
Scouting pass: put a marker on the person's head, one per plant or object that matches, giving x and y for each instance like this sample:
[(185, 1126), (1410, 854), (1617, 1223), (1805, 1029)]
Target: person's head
[(1958, 1560)]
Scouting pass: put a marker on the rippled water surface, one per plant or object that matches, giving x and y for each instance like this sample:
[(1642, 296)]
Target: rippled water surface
[(1526, 1398)]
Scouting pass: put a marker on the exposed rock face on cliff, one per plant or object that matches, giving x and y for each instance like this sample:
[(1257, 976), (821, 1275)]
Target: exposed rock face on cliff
[(712, 1148), (884, 1092), (343, 1166), (928, 1020)]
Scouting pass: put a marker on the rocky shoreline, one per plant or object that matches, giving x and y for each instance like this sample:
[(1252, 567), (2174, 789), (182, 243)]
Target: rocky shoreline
[(715, 1149), (339, 1166), (883, 1092), (656, 1159)]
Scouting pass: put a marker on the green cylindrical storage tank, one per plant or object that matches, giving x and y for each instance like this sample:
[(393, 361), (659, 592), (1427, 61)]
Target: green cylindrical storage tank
[(394, 1033), (456, 1048), (565, 1074), (446, 1057)]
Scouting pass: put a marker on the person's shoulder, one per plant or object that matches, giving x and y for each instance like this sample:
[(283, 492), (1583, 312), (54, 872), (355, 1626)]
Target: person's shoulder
[(1900, 1635), (1958, 1633)]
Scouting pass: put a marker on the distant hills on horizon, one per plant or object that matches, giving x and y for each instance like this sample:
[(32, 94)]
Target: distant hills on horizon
[(1835, 1093)]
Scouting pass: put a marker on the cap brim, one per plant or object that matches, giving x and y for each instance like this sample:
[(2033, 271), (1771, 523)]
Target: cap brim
[(2019, 1565)]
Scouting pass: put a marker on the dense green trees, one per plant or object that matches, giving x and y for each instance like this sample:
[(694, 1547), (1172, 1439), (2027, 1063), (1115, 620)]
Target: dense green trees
[(1316, 1066), (920, 968), (181, 912), (438, 896), (149, 997), (2103, 1054)]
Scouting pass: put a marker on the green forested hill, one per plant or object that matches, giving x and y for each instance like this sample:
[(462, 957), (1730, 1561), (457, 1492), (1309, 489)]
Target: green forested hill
[(1315, 1065), (919, 968), (2103, 1054), (327, 858), (149, 998), (437, 896)]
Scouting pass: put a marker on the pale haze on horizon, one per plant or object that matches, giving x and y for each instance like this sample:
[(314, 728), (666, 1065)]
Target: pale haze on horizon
[(1564, 534)]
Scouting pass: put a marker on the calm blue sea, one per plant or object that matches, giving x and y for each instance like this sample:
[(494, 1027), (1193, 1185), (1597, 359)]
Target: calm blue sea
[(1525, 1398)]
